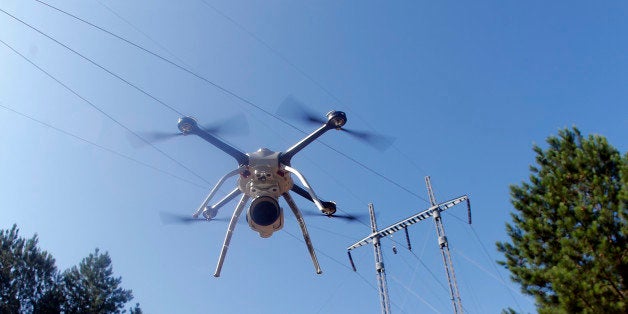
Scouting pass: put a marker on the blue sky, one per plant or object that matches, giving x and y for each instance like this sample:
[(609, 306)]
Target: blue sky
[(465, 88)]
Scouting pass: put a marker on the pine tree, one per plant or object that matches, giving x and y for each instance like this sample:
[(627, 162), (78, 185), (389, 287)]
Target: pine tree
[(28, 276), (569, 227), (91, 287), (31, 283)]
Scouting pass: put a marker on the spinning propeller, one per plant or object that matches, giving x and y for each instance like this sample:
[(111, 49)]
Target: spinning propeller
[(170, 218), (347, 217), (235, 125), (263, 176), (295, 109)]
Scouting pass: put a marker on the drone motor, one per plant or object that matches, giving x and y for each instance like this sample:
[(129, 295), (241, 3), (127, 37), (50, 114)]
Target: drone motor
[(337, 119)]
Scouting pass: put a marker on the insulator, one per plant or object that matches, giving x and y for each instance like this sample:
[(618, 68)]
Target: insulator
[(408, 239), (469, 209), (351, 260), (379, 266), (442, 241)]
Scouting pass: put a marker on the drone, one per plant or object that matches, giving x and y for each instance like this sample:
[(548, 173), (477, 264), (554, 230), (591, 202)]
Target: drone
[(263, 177)]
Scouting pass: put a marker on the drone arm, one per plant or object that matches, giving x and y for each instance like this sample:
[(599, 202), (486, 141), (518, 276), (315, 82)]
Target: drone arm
[(303, 193), (214, 190), (239, 156), (290, 152), (306, 235), (214, 208), (232, 225)]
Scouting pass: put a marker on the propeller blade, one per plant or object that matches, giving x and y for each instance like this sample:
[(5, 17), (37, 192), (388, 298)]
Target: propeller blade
[(377, 141), (235, 125), (141, 139), (347, 217), (170, 218), (295, 109), (159, 136)]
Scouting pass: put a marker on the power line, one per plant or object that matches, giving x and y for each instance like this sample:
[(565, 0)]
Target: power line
[(331, 258), (219, 87), (413, 277), (130, 24), (415, 294), (115, 75), (93, 62), (422, 264), (494, 267), (102, 111), (82, 139), (303, 73), (338, 262)]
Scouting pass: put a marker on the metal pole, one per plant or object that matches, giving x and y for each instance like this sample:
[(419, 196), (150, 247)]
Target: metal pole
[(444, 249), (379, 265)]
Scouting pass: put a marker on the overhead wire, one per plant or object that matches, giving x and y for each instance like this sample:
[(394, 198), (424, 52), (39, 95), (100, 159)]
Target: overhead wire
[(423, 264), (82, 139), (471, 294), (219, 87), (114, 74), (409, 284), (338, 262), (137, 29), (488, 258), (215, 85), (300, 71), (476, 264), (92, 62), (223, 89), (307, 76), (416, 268), (100, 110), (333, 232), (415, 294), (329, 93), (494, 267), (331, 258)]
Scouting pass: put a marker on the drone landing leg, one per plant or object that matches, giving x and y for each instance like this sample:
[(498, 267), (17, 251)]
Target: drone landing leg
[(214, 190), (232, 225), (307, 186), (306, 235)]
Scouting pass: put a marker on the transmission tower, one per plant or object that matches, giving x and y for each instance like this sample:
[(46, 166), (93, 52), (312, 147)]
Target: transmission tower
[(435, 212), (382, 287), (444, 250)]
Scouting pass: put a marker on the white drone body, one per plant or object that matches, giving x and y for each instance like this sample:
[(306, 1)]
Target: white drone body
[(263, 177)]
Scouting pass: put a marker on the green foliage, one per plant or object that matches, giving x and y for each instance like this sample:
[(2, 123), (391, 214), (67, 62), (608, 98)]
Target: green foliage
[(136, 309), (91, 287), (31, 283), (28, 276), (569, 227)]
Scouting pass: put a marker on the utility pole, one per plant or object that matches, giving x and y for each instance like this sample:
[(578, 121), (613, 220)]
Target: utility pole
[(433, 211), (444, 250), (382, 287), (379, 265)]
